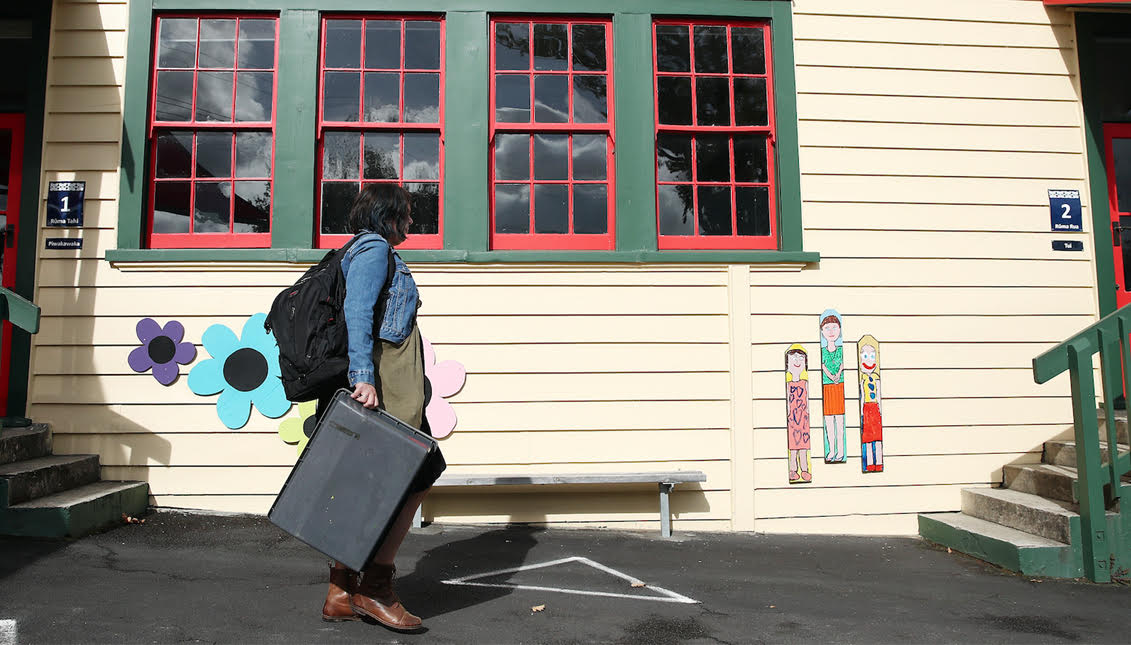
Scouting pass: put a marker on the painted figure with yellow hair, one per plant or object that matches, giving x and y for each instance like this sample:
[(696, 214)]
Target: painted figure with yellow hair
[(797, 414), (871, 420)]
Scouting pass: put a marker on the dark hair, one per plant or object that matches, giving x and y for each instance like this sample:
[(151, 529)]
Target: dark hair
[(382, 209), (829, 319)]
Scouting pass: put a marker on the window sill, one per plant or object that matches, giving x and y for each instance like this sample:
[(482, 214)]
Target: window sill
[(127, 259)]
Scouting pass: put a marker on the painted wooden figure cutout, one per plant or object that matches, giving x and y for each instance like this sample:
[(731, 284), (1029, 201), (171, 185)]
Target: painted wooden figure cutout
[(832, 381), (797, 414), (871, 419)]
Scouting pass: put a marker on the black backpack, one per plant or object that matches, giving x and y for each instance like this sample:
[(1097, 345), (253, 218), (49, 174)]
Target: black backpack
[(309, 325)]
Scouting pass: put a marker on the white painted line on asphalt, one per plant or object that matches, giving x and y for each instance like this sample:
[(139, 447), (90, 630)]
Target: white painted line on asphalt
[(668, 596), (9, 635)]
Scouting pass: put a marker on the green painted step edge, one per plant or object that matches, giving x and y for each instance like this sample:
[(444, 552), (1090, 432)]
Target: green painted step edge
[(1049, 562), (77, 520)]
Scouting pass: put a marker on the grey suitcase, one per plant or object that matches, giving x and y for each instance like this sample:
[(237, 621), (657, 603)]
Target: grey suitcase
[(351, 482)]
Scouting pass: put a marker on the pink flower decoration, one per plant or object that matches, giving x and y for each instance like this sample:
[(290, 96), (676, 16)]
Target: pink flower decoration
[(441, 380)]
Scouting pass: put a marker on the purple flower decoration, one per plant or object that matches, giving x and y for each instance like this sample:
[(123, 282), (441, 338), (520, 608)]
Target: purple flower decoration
[(161, 349)]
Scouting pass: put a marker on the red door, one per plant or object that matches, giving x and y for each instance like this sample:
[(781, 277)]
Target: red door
[(11, 157)]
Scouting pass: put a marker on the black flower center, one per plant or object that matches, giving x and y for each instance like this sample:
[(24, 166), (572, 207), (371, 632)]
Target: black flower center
[(162, 349), (427, 391), (245, 369), (309, 425)]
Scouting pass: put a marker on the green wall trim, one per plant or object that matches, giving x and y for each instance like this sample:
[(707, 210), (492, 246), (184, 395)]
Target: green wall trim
[(135, 111), (295, 121), (466, 127), (634, 136), (466, 131), (19, 367), (307, 256), (1086, 27)]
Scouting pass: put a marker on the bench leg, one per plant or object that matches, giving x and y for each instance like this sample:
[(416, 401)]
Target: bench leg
[(665, 510), (418, 518)]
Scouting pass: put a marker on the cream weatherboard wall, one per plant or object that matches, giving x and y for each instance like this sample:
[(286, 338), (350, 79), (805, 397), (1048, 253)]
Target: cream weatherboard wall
[(930, 132)]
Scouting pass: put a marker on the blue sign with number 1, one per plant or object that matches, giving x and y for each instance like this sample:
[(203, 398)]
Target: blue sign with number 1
[(65, 202), (1065, 210)]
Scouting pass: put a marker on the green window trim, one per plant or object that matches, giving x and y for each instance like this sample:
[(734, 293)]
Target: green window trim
[(465, 172)]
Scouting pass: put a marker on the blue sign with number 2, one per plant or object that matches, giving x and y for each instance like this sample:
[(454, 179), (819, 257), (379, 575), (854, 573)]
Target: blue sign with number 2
[(1065, 210)]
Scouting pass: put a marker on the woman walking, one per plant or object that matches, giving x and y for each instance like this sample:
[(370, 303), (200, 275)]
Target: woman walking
[(386, 370)]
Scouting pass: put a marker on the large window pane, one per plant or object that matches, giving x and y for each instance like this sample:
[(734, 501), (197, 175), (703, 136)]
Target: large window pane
[(714, 210), (512, 156), (343, 43), (341, 96), (422, 44), (253, 207), (340, 155), (673, 48), (212, 211), (382, 44), (676, 209), (253, 96), (711, 50), (512, 208), (590, 157), (551, 99), (590, 209), (257, 44), (337, 197), (750, 159), (383, 155), (712, 101), (512, 46), (674, 100), (551, 156), (421, 155), (174, 96), (551, 208), (750, 102), (753, 209), (174, 154), (673, 157), (748, 49), (217, 43), (590, 103), (425, 208), (382, 97), (214, 154), (551, 47), (512, 98), (171, 209), (253, 154), (214, 96), (589, 48), (422, 98), (176, 43), (712, 157)]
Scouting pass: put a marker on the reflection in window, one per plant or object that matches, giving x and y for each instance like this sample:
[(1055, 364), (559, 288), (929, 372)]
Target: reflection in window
[(380, 119), (213, 131), (551, 143), (714, 161)]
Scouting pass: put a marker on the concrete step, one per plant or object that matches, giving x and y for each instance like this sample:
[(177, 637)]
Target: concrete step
[(1120, 423), (1063, 453), (1047, 480), (32, 478), (1015, 550), (1053, 519), (76, 512), (17, 444)]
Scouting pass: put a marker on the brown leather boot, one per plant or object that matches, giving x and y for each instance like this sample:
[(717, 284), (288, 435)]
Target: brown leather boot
[(375, 598), (343, 583)]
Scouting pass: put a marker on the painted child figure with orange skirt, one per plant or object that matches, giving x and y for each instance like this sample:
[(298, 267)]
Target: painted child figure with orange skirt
[(797, 414), (871, 419), (832, 390)]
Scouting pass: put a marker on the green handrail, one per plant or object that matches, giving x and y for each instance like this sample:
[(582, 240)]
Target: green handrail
[(20, 312), (1098, 482)]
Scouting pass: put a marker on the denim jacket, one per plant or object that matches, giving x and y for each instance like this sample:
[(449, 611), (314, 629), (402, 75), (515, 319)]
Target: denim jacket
[(364, 266)]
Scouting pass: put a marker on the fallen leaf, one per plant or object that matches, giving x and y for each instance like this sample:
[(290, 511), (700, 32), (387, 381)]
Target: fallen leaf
[(637, 585), (948, 550), (537, 608)]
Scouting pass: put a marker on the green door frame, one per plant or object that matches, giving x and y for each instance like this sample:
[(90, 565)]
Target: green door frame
[(1088, 27), (33, 108)]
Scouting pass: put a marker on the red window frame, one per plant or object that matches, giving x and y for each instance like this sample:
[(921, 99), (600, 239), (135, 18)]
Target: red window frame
[(698, 240), (555, 241), (401, 127), (209, 240)]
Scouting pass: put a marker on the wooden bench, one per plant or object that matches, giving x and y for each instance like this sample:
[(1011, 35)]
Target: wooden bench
[(665, 480)]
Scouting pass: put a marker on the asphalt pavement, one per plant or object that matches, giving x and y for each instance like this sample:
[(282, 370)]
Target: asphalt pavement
[(185, 578)]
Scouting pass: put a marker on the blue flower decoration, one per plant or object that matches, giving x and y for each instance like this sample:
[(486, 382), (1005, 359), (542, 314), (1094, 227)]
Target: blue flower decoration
[(244, 371)]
